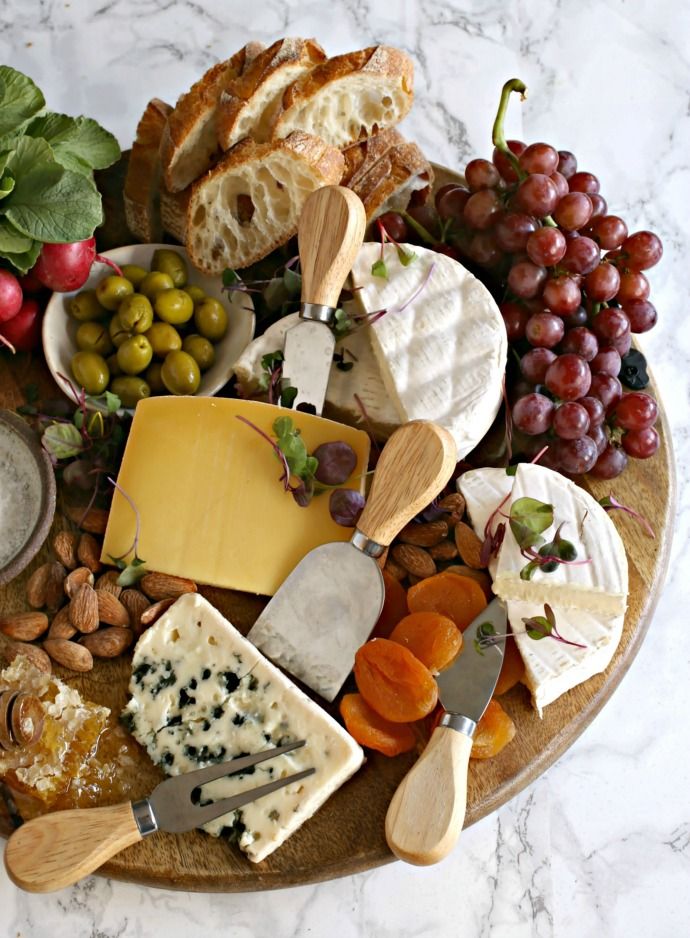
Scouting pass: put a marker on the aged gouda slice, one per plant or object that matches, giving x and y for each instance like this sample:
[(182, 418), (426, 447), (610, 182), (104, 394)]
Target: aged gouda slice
[(209, 497)]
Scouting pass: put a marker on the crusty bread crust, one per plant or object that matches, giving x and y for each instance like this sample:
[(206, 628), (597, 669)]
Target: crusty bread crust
[(273, 180), (360, 158), (189, 145), (400, 171), (248, 104), (174, 212), (143, 173)]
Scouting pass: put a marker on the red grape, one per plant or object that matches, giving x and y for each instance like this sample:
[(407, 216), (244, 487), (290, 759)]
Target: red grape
[(544, 330), (483, 249), (481, 209), (584, 182), (515, 318), (571, 421), (643, 250), (581, 341), (448, 249), (607, 361), (537, 195), (576, 456), (610, 232), (525, 279), (561, 184), (595, 409), (539, 158), (573, 211), (601, 284), (561, 295), (546, 246), (503, 163), (395, 225), (534, 364), (451, 200), (568, 377), (567, 164), (532, 414), (578, 318), (600, 437), (481, 174), (623, 344), (599, 206), (512, 231), (641, 313), (611, 323), (425, 214), (607, 389), (581, 256), (634, 286), (641, 444), (610, 463), (636, 411)]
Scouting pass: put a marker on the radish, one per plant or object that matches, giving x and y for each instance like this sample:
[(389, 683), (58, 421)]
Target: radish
[(66, 267), (30, 283), (23, 331), (11, 296)]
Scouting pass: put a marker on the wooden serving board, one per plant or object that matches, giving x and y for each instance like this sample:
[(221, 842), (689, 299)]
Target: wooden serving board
[(347, 835)]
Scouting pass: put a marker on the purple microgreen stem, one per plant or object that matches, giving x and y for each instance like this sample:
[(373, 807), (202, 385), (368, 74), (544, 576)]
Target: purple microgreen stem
[(7, 344), (135, 544), (611, 503), (285, 478), (367, 420)]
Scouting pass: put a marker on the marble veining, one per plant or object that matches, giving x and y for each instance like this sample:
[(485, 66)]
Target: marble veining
[(600, 844)]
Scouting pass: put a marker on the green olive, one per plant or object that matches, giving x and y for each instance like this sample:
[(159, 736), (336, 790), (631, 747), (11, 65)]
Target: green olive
[(117, 331), (196, 293), (174, 306), (134, 273), (200, 349), (171, 263), (135, 354), (84, 307), (211, 319), (153, 377), (164, 338), (112, 290), (113, 367), (180, 373), (136, 313), (155, 282), (93, 337), (90, 372), (130, 390)]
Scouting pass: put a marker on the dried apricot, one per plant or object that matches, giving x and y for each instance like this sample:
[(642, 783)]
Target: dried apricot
[(512, 669), (458, 597), (494, 731), (394, 606), (372, 731), (480, 576), (433, 638), (394, 682)]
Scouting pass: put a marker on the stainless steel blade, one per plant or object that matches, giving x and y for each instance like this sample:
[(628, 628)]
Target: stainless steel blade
[(309, 346), (467, 685), (327, 606)]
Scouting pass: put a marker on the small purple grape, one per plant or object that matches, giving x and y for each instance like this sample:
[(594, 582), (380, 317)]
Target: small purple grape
[(337, 462), (345, 506)]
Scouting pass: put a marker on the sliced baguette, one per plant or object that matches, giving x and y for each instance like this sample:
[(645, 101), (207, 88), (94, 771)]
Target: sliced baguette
[(174, 212), (390, 182), (142, 183), (360, 158), (189, 146), (349, 97), (249, 203), (247, 107)]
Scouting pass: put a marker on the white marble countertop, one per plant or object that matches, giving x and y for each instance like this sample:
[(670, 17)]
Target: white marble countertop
[(600, 844)]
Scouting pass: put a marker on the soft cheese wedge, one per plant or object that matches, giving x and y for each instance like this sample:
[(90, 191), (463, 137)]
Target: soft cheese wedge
[(208, 492), (441, 346), (201, 694)]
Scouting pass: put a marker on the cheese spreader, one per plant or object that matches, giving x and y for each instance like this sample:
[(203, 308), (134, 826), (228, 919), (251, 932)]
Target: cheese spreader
[(56, 850), (330, 233), (422, 828), (328, 605)]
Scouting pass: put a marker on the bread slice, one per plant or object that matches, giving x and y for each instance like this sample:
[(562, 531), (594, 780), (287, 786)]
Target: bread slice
[(349, 97), (390, 182), (360, 158), (250, 202), (174, 212), (142, 183), (247, 107), (189, 146)]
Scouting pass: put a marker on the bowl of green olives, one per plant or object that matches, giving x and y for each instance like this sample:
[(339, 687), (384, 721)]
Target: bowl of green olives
[(160, 328)]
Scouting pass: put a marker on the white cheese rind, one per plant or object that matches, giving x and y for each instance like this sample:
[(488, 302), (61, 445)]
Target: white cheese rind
[(442, 357), (483, 491), (201, 694)]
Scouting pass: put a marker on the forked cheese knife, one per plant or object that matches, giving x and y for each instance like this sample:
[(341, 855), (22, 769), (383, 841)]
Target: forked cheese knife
[(330, 234), (328, 605), (427, 811)]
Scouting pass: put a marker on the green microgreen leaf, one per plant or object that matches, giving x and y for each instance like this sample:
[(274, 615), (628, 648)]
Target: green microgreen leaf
[(511, 470), (405, 257), (538, 627), (528, 518), (292, 281), (62, 440), (379, 269), (287, 395), (231, 277), (131, 572)]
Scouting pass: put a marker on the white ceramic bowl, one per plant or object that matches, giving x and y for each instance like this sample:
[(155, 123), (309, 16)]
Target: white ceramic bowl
[(60, 329)]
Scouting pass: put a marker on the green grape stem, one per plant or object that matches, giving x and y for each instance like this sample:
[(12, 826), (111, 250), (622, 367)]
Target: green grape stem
[(498, 133)]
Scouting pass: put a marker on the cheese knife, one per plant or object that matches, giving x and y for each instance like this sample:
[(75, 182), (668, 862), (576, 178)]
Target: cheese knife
[(328, 605), (330, 233), (427, 812)]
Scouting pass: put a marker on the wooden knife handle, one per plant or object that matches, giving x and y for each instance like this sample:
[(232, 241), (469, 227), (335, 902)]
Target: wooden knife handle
[(330, 233), (415, 464), (427, 812), (56, 850)]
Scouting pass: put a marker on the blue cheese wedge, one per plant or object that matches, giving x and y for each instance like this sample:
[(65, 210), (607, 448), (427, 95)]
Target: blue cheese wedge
[(202, 694)]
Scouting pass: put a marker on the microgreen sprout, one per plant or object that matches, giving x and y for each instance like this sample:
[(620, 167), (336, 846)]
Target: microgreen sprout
[(536, 628), (131, 572), (611, 503)]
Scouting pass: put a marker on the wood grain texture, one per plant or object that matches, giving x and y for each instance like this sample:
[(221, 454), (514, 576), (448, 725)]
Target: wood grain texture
[(347, 835)]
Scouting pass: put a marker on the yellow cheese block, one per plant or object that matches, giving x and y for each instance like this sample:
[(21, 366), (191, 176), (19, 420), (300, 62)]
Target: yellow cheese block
[(209, 497)]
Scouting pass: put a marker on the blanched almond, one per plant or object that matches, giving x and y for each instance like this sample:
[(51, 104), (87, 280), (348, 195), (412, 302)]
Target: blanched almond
[(83, 609), (69, 654), (110, 609), (163, 586), (77, 578), (108, 643), (24, 626), (65, 548)]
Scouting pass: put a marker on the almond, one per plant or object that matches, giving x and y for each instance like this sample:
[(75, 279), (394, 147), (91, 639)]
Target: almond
[(38, 658), (27, 719), (135, 603), (24, 626), (77, 578), (36, 586), (108, 643), (95, 520), (149, 616), (83, 610), (61, 627), (163, 586), (446, 550), (69, 654), (395, 570), (89, 552), (481, 577), (65, 548), (55, 586), (454, 505), (469, 546), (426, 534), (110, 609), (414, 559), (108, 581)]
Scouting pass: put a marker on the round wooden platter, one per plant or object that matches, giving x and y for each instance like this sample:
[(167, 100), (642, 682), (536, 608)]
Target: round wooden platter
[(347, 835)]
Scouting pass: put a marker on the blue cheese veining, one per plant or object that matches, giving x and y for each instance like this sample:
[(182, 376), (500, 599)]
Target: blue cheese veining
[(20, 494), (201, 693)]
